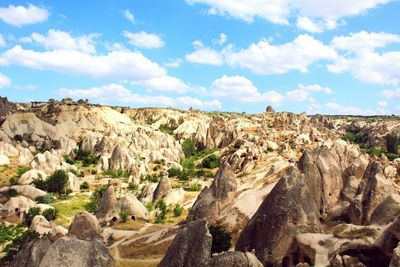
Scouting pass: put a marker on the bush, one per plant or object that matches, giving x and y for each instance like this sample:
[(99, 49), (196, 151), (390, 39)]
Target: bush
[(32, 212), (169, 129), (162, 210), (11, 193), (124, 216), (87, 157), (50, 214), (94, 199), (150, 206), (10, 232), (221, 239), (178, 210), (210, 162), (392, 156), (84, 185), (57, 182), (392, 143), (354, 137), (173, 172), (188, 163), (133, 186), (120, 173), (46, 199), (188, 148), (40, 184), (193, 188), (21, 170), (374, 151)]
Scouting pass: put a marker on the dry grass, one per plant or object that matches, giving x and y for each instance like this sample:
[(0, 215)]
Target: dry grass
[(137, 263), (129, 225), (8, 171)]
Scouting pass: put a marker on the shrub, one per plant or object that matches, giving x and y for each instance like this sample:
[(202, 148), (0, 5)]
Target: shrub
[(221, 239), (169, 129), (46, 199), (21, 170), (354, 137), (193, 188), (392, 143), (84, 185), (94, 199), (173, 172), (57, 182), (40, 184), (392, 156), (120, 173), (178, 210), (50, 214), (10, 232), (150, 206), (32, 212), (133, 186), (374, 151), (188, 148), (124, 216), (86, 157), (210, 162), (11, 192), (188, 163), (162, 210)]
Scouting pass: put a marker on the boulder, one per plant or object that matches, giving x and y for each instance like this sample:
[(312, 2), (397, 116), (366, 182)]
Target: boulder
[(281, 216), (85, 226), (106, 210), (25, 156), (235, 259), (43, 227), (29, 176), (133, 206), (8, 150), (163, 188), (47, 162), (13, 210), (28, 191), (67, 251), (4, 160), (387, 211), (212, 200), (395, 262), (190, 248), (269, 109), (31, 253)]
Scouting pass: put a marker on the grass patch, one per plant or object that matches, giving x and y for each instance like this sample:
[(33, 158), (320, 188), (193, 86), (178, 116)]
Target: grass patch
[(67, 208)]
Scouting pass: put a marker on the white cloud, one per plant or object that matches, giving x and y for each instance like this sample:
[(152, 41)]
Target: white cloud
[(175, 63), (116, 93), (4, 81), (363, 62), (382, 103), (239, 88), (164, 84), (264, 58), (391, 94), (20, 15), (3, 42), (60, 40), (198, 44), (350, 110), (221, 40), (205, 56), (363, 40), (144, 40), (128, 15), (303, 93), (279, 11), (315, 26), (120, 65)]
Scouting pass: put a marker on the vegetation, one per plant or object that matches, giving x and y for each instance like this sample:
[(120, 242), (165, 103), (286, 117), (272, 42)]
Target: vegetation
[(221, 239), (32, 212), (84, 186), (354, 137), (50, 214), (46, 199), (210, 162), (56, 183), (169, 129), (94, 199), (150, 206), (178, 210), (392, 143), (87, 157), (188, 148), (124, 216), (120, 173), (10, 232), (193, 188), (162, 210)]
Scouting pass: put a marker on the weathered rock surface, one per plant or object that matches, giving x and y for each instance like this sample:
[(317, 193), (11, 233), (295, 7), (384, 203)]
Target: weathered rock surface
[(163, 188), (133, 206), (85, 226), (106, 210)]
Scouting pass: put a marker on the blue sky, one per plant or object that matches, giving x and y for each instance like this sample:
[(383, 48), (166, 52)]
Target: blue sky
[(330, 57)]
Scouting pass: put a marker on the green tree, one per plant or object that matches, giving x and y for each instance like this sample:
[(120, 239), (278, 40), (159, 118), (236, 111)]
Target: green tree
[(188, 148), (84, 185), (94, 199), (124, 216), (392, 143), (57, 182), (210, 162), (162, 210), (50, 214), (178, 210)]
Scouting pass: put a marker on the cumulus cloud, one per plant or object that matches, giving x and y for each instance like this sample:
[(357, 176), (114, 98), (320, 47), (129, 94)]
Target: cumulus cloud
[(60, 40), (304, 93), (221, 40), (205, 55), (4, 81), (128, 15), (239, 88), (120, 65), (279, 11), (174, 63), (315, 25), (338, 109), (112, 93), (20, 15), (165, 84), (391, 94), (264, 58), (361, 59), (3, 42), (144, 40)]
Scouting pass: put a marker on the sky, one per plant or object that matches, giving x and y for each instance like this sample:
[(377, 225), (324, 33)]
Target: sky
[(314, 56)]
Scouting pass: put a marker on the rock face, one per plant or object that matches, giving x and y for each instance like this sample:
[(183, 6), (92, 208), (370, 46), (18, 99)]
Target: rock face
[(32, 254), (68, 251), (235, 259), (191, 247), (4, 160), (41, 226), (163, 188), (212, 200), (269, 109), (31, 175), (106, 210), (279, 218), (133, 206), (85, 226)]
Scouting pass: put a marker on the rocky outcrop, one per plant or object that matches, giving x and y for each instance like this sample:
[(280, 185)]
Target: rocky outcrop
[(212, 200), (43, 227), (29, 176), (163, 188), (32, 253), (130, 204), (269, 109), (28, 191), (85, 226), (106, 210), (68, 251), (281, 216), (235, 259), (4, 160)]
